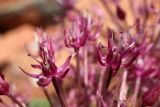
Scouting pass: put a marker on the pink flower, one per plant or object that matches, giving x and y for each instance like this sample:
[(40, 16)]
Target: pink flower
[(151, 96), (93, 28), (118, 55), (47, 65), (76, 36)]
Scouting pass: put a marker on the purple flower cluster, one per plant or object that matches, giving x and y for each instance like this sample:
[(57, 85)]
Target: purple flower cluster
[(47, 65), (129, 75), (77, 35), (118, 55)]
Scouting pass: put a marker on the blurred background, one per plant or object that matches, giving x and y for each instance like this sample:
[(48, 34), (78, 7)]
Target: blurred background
[(18, 21)]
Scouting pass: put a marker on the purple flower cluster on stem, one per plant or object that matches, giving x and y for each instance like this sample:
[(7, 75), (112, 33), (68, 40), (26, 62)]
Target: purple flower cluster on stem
[(77, 35), (117, 56), (50, 72), (151, 96), (137, 57)]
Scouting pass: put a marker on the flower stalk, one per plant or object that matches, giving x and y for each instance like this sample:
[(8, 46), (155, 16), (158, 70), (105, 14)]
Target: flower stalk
[(109, 77), (123, 91), (59, 92), (136, 90), (105, 80), (78, 67), (48, 97), (86, 67), (15, 100)]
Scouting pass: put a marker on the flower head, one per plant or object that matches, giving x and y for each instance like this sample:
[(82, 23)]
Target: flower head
[(47, 65), (93, 27), (118, 55), (151, 96), (76, 36)]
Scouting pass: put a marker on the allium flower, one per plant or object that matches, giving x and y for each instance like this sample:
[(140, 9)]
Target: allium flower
[(118, 55), (76, 36), (146, 67), (146, 63), (151, 96), (4, 86), (47, 65), (93, 27)]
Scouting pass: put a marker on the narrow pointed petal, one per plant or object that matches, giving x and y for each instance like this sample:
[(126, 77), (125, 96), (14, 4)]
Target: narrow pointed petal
[(129, 49), (110, 40), (61, 74), (109, 57), (66, 38), (117, 62), (96, 33), (31, 75), (101, 59), (66, 64), (51, 52), (129, 59)]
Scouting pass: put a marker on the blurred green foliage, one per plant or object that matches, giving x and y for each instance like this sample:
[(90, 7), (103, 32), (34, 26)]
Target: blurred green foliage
[(39, 103)]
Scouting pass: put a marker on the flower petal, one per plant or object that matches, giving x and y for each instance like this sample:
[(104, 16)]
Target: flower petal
[(66, 38), (31, 75), (117, 62), (66, 64), (101, 58), (128, 60), (129, 49), (110, 39), (61, 74)]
